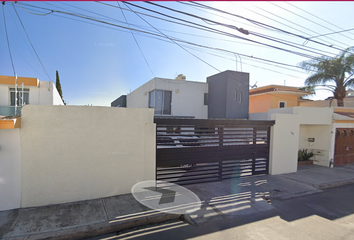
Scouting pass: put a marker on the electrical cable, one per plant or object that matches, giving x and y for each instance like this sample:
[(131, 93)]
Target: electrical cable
[(145, 32), (137, 42), (177, 43), (280, 22), (26, 45), (8, 42), (309, 21), (224, 33), (233, 27), (320, 19), (263, 24), (30, 42)]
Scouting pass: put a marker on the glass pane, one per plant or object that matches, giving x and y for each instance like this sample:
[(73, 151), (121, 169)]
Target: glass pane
[(167, 102), (158, 101), (26, 98), (151, 99), (12, 98)]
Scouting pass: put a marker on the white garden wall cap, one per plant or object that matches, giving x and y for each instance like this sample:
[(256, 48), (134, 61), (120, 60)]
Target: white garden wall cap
[(166, 197)]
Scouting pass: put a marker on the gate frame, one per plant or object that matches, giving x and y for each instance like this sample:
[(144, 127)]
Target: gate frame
[(220, 124)]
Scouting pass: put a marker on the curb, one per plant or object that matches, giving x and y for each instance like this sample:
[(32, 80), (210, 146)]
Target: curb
[(334, 184), (101, 228)]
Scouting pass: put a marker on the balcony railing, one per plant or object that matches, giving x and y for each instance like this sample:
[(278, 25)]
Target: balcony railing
[(10, 111)]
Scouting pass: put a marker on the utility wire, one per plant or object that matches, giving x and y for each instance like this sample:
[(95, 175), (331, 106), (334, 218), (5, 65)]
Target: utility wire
[(209, 29), (7, 38), (157, 35), (321, 19), (263, 24), (137, 42), (232, 27), (23, 38), (176, 42), (280, 22), (347, 30), (309, 21), (31, 42)]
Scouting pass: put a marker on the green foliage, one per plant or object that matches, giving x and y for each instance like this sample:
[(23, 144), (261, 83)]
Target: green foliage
[(331, 73), (58, 86), (303, 155)]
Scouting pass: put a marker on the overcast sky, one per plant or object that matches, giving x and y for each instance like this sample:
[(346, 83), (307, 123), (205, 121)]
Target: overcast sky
[(99, 58)]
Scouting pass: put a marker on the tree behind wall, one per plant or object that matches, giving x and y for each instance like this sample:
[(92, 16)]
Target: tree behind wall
[(332, 73), (58, 86)]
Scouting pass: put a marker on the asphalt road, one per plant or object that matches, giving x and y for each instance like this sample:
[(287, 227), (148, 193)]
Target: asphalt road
[(326, 215)]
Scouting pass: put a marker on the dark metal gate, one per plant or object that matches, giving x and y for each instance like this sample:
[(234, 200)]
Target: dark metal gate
[(202, 150)]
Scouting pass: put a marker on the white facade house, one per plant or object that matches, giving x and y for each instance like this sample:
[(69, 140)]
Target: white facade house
[(171, 97), (311, 128), (223, 95), (30, 91)]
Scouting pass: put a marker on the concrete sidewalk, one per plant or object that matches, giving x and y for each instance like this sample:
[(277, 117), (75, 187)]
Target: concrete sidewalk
[(220, 200)]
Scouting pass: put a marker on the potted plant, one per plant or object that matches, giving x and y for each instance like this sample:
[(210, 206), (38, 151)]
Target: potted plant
[(303, 157)]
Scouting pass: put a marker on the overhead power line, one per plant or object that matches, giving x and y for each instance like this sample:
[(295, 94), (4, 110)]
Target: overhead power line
[(8, 42), (327, 22), (209, 29), (157, 35), (309, 21), (263, 24), (30, 42), (141, 51), (177, 43)]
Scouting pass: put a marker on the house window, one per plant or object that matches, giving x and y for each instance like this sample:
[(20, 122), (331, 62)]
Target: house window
[(25, 96), (161, 101), (282, 104), (205, 98)]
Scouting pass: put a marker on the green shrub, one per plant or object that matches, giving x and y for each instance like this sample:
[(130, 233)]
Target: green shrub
[(303, 155)]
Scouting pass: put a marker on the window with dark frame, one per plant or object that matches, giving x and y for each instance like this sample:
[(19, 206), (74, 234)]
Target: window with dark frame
[(161, 101), (282, 104), (19, 95)]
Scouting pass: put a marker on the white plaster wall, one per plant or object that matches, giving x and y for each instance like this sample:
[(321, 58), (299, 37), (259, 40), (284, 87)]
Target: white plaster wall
[(56, 97), (187, 96), (303, 123), (139, 98), (284, 144), (317, 116), (45, 94), (10, 169), (323, 141), (72, 153), (4, 95)]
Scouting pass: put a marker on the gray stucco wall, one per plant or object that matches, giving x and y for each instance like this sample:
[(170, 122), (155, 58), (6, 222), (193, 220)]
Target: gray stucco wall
[(121, 101), (223, 102)]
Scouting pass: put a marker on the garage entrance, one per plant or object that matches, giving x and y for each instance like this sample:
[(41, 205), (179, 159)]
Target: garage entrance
[(202, 150)]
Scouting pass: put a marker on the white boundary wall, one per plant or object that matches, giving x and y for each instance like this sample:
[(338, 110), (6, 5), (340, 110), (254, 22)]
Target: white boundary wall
[(10, 169), (293, 127), (72, 153)]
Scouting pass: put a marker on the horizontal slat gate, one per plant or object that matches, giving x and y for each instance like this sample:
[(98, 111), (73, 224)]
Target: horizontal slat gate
[(202, 150)]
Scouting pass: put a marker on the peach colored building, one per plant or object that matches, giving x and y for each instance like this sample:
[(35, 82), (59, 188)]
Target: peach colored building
[(274, 96)]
